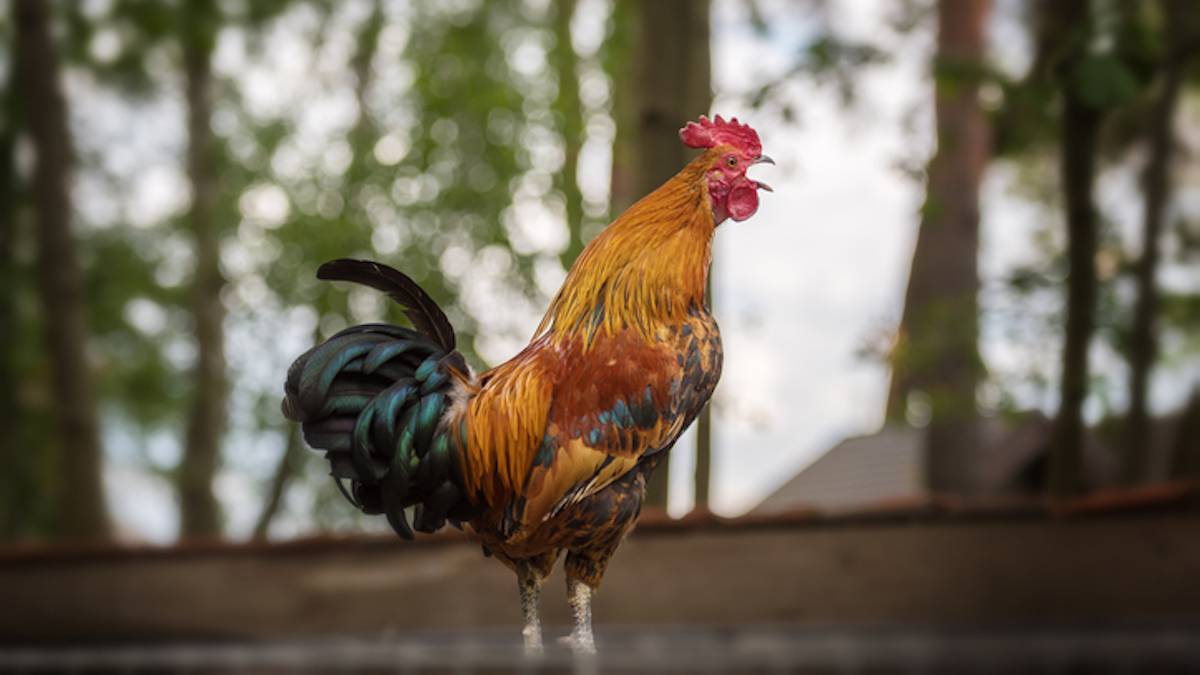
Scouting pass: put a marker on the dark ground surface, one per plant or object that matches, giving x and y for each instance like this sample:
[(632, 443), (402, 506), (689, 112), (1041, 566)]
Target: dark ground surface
[(1139, 569), (1105, 586), (653, 649)]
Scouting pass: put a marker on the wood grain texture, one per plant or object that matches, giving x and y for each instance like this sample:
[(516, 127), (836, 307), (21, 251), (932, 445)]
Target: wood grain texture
[(999, 571)]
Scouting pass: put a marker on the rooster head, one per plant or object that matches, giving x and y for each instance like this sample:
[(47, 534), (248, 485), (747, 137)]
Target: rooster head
[(736, 148)]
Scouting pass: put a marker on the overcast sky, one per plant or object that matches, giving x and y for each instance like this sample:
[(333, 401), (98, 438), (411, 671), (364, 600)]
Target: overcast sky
[(819, 271)]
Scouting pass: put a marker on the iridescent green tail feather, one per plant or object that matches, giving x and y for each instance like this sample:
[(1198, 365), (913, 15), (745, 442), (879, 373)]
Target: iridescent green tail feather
[(373, 398)]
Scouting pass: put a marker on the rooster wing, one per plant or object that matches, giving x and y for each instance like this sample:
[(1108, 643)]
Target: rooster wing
[(615, 403)]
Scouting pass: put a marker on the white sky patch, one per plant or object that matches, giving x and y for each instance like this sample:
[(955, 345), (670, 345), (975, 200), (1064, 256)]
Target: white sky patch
[(802, 285), (143, 505), (266, 204), (162, 191)]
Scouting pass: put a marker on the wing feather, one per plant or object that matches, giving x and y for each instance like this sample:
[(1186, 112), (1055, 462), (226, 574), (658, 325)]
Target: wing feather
[(562, 421), (613, 406)]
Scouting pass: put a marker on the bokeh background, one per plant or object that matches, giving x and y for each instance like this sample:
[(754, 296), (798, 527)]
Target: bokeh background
[(173, 173), (977, 282)]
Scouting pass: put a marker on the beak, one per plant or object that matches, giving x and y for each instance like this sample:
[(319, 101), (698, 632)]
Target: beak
[(763, 159)]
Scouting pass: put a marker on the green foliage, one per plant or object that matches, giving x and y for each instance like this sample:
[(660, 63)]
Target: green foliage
[(134, 373), (827, 59), (27, 452), (114, 46), (1103, 81), (1114, 65), (1108, 64), (1181, 315), (431, 174)]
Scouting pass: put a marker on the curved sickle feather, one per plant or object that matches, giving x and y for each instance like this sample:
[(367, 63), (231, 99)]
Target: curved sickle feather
[(420, 309)]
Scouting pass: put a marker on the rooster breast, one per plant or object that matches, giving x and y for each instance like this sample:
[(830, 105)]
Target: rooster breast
[(587, 492), (699, 357)]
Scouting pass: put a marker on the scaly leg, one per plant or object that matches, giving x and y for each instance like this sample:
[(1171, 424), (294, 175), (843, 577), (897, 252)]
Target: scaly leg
[(585, 568), (530, 584), (579, 596)]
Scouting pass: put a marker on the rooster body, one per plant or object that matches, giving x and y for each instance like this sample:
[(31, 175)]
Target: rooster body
[(549, 452)]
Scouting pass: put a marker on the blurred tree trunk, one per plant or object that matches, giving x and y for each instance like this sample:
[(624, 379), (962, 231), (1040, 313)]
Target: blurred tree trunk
[(1156, 188), (200, 513), (620, 64), (937, 353), (1185, 451), (82, 511), (568, 106), (1079, 128), (665, 82), (11, 452), (364, 135), (289, 465)]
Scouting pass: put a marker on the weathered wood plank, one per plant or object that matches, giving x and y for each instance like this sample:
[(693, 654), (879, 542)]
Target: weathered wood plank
[(1002, 571)]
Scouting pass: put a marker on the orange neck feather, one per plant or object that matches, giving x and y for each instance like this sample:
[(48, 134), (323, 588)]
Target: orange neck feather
[(649, 267)]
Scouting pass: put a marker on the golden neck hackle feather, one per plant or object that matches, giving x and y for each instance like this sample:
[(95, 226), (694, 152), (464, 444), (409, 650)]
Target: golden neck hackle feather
[(645, 269)]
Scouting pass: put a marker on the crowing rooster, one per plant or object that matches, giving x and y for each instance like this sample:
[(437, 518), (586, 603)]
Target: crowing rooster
[(548, 453)]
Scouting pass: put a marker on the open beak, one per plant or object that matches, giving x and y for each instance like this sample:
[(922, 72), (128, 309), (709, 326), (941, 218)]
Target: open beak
[(763, 159)]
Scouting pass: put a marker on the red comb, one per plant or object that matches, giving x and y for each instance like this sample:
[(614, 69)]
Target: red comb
[(707, 133)]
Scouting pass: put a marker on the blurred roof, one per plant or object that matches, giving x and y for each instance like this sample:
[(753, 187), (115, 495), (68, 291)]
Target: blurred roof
[(859, 470), (886, 466)]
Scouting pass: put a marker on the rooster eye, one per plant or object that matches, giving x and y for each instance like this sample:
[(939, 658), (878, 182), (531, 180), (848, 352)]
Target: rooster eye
[(732, 162)]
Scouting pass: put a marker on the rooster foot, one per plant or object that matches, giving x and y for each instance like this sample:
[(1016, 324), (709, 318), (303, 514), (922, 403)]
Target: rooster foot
[(579, 596), (533, 640), (579, 643)]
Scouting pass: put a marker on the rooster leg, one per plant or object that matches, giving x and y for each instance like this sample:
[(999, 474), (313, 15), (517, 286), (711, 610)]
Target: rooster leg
[(530, 583), (579, 596)]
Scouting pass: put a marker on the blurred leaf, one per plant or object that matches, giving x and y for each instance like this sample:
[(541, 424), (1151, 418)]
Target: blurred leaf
[(1103, 81)]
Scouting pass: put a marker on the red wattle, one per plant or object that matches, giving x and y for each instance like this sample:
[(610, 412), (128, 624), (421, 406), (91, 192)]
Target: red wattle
[(742, 201)]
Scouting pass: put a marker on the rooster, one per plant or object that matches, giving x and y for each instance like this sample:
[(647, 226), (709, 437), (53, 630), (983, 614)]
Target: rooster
[(548, 453)]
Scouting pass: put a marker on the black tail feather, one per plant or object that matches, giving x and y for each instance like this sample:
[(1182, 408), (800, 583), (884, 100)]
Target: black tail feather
[(373, 398), (420, 309)]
